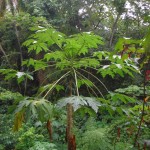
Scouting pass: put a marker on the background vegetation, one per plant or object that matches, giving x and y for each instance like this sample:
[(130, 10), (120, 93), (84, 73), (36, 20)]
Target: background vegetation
[(74, 75)]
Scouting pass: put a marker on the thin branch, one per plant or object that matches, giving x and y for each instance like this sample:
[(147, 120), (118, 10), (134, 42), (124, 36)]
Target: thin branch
[(43, 68), (96, 78), (2, 50), (88, 86), (113, 29), (93, 84), (18, 42), (51, 75), (56, 83), (56, 43), (92, 68), (143, 111), (75, 75)]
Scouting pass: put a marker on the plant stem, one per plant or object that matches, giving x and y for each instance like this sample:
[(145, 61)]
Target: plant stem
[(76, 81), (69, 120), (56, 83), (143, 110), (70, 136), (2, 50), (49, 128)]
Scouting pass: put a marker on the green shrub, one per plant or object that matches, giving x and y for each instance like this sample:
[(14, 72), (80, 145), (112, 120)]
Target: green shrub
[(95, 140), (9, 100), (92, 136), (43, 146), (7, 138), (28, 139), (2, 147), (133, 90), (123, 146)]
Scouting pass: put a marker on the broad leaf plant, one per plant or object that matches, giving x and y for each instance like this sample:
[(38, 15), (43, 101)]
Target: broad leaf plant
[(68, 60)]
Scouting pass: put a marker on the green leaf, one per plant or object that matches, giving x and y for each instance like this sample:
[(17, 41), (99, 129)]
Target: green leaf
[(19, 118), (29, 42), (57, 55), (78, 101), (37, 108), (84, 82), (89, 39), (21, 76), (37, 64), (48, 86), (8, 73), (101, 54), (121, 97)]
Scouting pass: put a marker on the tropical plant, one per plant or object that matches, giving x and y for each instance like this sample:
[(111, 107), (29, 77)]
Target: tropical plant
[(9, 100), (8, 138), (43, 146), (69, 59), (28, 139), (71, 68), (133, 90)]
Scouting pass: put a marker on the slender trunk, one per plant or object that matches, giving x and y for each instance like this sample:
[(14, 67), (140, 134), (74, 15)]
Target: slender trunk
[(70, 136), (19, 47), (143, 111), (113, 30), (41, 74), (2, 50), (49, 128), (69, 120), (12, 7)]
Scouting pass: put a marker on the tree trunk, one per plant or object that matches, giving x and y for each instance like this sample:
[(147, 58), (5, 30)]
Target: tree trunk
[(3, 52), (143, 109), (49, 128), (70, 136), (113, 30), (41, 75), (18, 47)]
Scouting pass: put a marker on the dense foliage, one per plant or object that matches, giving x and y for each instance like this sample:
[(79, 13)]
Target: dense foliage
[(74, 74)]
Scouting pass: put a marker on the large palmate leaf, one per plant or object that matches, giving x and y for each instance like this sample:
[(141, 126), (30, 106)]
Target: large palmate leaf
[(68, 49), (131, 43), (8, 73), (78, 44), (36, 64), (116, 97), (81, 82), (13, 74), (118, 66), (43, 38), (78, 101), (40, 109), (133, 90), (89, 39), (46, 87), (117, 104), (57, 55), (86, 62)]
